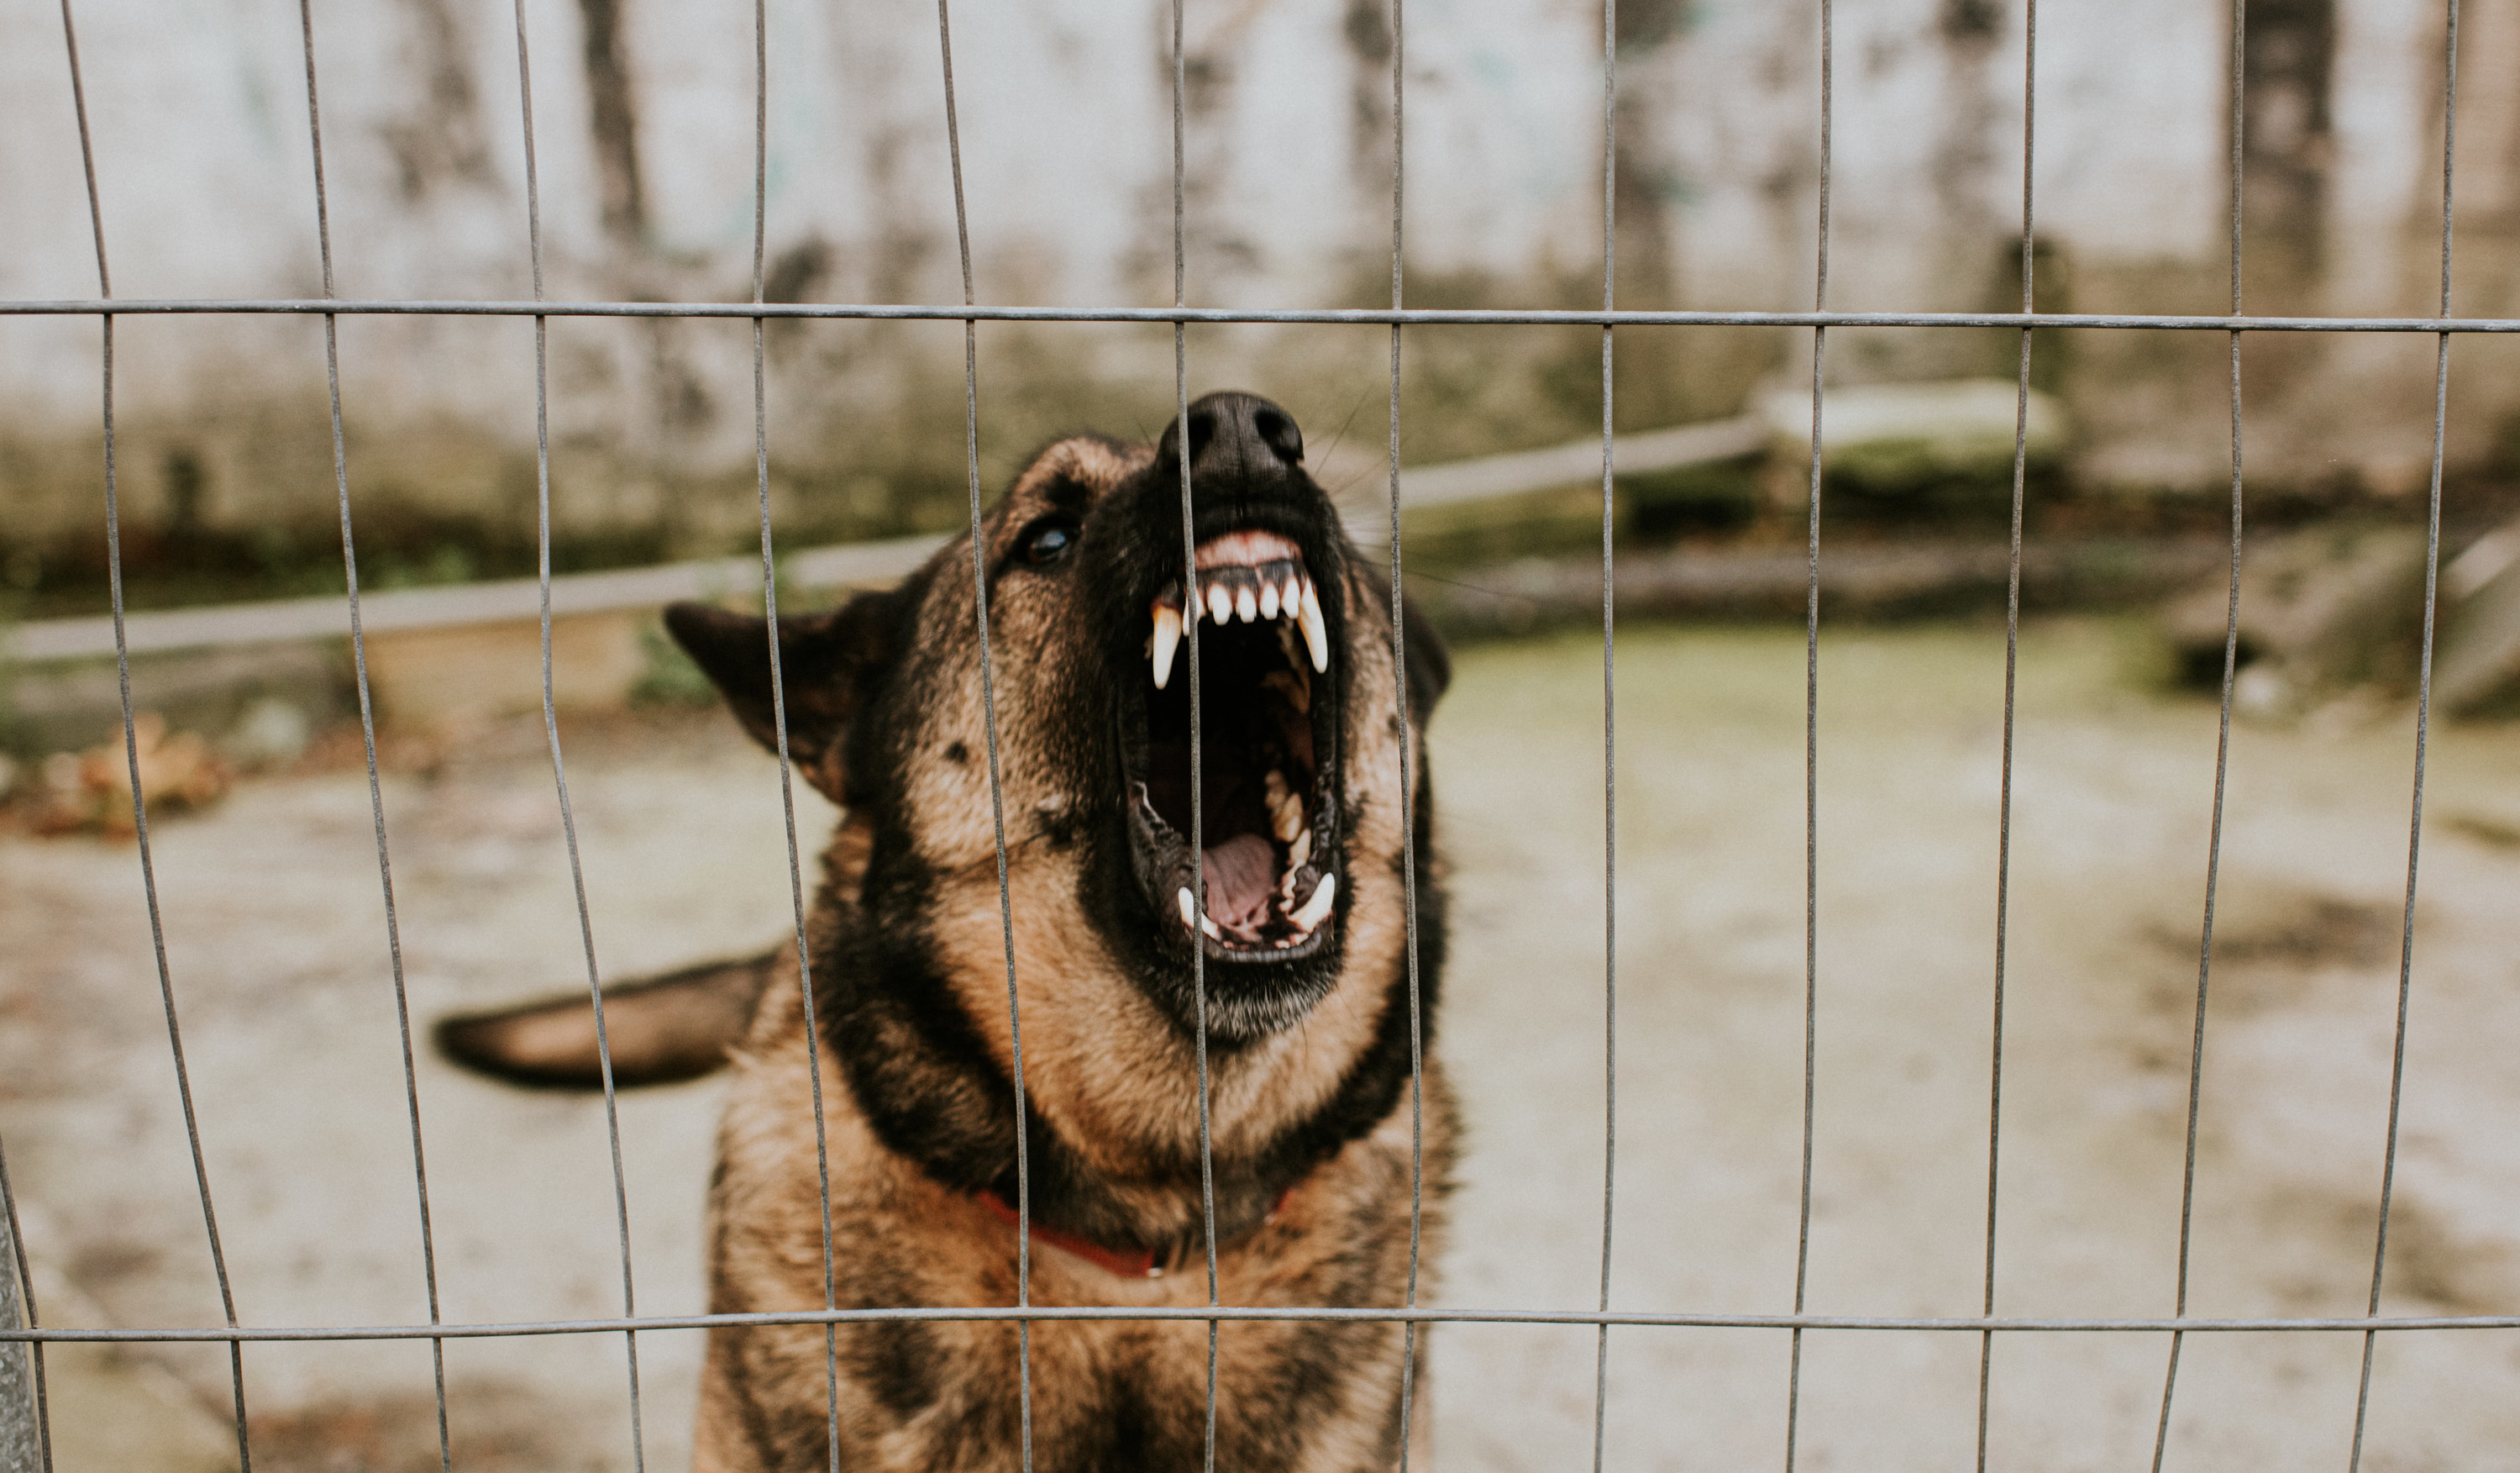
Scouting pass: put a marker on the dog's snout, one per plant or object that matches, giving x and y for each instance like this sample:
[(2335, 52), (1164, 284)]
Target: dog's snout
[(1236, 437)]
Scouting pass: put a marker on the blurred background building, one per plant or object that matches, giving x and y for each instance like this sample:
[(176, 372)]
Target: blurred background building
[(644, 118)]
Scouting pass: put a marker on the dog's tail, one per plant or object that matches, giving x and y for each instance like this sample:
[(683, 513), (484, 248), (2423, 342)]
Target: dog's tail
[(659, 1029)]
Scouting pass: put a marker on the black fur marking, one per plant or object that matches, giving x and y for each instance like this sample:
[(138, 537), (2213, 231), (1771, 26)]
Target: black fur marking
[(898, 1361), (1123, 1435)]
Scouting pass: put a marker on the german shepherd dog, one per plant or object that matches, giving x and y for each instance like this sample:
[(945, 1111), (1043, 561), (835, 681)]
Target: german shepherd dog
[(1307, 1001)]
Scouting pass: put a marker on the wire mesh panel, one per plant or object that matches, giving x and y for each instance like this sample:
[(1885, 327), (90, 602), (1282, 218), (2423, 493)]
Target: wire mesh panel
[(21, 1372)]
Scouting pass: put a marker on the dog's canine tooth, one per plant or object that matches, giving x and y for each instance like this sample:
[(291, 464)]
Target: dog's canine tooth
[(1268, 599), (1245, 607), (1323, 894), (1189, 908), (1209, 926), (1300, 851), (1219, 604), (1167, 639), (1316, 637)]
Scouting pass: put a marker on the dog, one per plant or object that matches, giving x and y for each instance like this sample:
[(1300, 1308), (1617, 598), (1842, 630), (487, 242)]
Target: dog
[(1309, 738)]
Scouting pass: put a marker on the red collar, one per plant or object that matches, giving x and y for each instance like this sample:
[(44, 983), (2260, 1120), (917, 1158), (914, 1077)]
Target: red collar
[(1127, 1262)]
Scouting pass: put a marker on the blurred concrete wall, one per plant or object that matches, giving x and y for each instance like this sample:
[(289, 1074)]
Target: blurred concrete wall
[(644, 126)]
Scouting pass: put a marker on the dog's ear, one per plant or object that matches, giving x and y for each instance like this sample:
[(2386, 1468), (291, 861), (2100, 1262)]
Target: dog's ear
[(1430, 664), (829, 664)]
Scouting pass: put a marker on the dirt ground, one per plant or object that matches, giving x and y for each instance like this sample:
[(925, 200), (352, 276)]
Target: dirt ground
[(275, 942)]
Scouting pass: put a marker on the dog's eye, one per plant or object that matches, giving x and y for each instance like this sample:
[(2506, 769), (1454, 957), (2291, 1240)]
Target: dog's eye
[(1047, 540)]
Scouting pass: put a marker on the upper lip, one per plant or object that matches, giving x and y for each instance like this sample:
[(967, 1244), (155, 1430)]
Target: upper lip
[(1243, 576)]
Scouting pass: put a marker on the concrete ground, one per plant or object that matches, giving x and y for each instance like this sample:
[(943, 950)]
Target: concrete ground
[(275, 943)]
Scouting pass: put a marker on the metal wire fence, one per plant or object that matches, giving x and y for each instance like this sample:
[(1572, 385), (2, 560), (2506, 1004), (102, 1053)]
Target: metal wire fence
[(1608, 319)]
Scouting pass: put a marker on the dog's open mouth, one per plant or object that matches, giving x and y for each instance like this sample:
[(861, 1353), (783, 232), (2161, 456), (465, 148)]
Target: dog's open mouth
[(1267, 791)]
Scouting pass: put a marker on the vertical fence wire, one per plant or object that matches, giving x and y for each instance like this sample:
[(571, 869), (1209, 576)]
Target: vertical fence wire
[(1198, 833), (551, 722), (2424, 734), (22, 1267), (1811, 739), (368, 735), (131, 758), (1609, 732), (2011, 691), (551, 725), (2237, 125), (1408, 756), (779, 719), (989, 718)]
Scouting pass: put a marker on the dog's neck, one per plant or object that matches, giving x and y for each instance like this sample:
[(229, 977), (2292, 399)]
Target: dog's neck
[(1112, 1158)]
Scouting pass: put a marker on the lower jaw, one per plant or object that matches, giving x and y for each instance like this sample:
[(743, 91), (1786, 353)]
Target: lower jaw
[(1166, 875)]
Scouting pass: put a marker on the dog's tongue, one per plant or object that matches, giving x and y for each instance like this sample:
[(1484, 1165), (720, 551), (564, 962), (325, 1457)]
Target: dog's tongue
[(1239, 872)]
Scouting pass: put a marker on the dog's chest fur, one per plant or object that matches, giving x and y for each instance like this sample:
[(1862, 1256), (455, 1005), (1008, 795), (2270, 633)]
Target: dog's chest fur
[(1106, 1394)]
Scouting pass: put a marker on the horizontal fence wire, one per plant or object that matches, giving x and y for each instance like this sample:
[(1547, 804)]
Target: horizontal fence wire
[(387, 306), (1971, 1324)]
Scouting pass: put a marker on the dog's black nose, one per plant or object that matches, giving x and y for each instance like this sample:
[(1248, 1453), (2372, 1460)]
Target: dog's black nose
[(1236, 437)]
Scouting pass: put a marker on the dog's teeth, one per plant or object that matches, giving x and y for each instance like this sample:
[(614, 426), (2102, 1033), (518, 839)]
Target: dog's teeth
[(1268, 599), (1300, 851), (1187, 907), (1209, 926), (1319, 906), (1316, 637), (1219, 604), (1293, 597), (1245, 607), (1285, 810), (1167, 639)]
